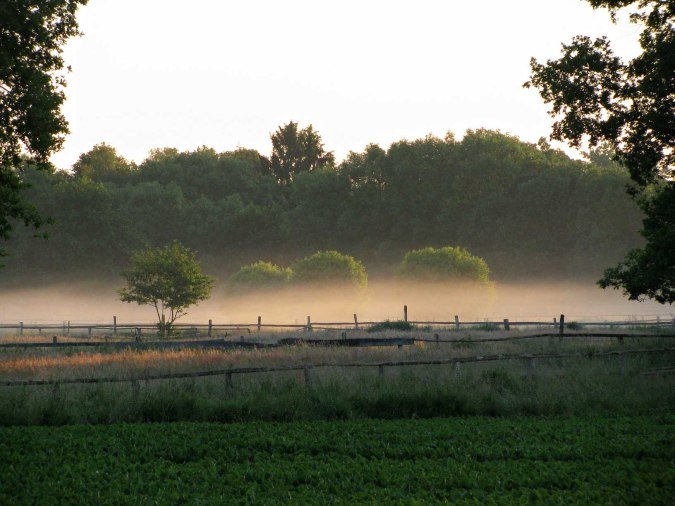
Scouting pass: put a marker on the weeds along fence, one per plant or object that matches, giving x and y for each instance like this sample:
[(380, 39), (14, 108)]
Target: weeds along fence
[(115, 328), (529, 359)]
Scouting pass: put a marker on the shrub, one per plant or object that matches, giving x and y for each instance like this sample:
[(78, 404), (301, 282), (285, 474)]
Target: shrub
[(330, 266), (449, 263), (260, 275), (391, 325)]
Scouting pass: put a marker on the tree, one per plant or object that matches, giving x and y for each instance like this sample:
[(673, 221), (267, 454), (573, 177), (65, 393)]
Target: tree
[(168, 278), (598, 98), (102, 164), (295, 151), (260, 276), (443, 264), (332, 267), (32, 34)]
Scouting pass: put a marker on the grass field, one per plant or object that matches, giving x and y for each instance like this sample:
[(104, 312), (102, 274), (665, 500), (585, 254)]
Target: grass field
[(563, 386), (473, 460)]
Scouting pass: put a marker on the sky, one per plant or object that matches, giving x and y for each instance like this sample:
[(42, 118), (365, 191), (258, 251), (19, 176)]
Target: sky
[(168, 73)]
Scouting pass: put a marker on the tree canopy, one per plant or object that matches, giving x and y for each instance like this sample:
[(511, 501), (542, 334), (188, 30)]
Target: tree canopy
[(598, 98), (32, 35), (167, 278), (295, 151)]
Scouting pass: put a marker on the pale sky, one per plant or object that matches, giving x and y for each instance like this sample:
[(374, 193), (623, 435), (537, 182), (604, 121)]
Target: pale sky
[(158, 73)]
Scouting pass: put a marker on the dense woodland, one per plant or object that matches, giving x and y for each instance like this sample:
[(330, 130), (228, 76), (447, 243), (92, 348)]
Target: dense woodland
[(528, 210)]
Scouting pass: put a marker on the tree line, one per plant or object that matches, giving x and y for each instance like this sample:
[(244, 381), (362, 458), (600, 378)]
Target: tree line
[(527, 209)]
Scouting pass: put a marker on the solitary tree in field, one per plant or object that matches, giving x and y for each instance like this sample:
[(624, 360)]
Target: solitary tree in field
[(170, 279), (630, 107)]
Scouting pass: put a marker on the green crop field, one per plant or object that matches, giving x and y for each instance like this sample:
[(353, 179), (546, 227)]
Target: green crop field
[(473, 460)]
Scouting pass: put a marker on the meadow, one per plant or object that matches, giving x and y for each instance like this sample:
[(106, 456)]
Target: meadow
[(580, 383)]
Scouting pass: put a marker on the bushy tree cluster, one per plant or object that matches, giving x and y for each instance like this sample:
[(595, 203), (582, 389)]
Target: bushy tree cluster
[(321, 267), (526, 209), (443, 264)]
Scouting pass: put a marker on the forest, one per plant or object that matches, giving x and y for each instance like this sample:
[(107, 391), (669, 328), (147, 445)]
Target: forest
[(529, 210)]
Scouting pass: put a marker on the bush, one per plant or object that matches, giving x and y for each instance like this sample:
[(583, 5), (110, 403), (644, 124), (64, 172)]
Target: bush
[(330, 266), (391, 325), (260, 275), (449, 263)]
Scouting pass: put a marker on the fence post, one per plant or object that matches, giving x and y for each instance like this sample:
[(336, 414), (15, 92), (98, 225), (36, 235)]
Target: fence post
[(405, 313), (380, 371), (437, 343), (356, 322), (89, 332), (562, 326), (507, 326), (210, 327), (54, 339), (114, 325), (259, 323), (309, 324), (457, 323), (20, 328), (68, 331)]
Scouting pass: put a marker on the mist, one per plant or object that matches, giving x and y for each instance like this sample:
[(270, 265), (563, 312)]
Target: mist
[(383, 299)]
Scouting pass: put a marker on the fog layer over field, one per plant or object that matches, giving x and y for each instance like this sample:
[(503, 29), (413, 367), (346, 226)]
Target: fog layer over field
[(382, 299)]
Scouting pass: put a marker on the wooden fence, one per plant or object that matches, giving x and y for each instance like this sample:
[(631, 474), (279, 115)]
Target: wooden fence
[(114, 327), (308, 368)]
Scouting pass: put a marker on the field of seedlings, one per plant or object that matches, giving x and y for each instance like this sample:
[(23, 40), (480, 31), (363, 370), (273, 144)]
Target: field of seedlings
[(472, 460)]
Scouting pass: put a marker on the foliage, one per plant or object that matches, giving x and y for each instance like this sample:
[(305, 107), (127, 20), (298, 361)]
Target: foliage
[(443, 264), (391, 325), (475, 460), (295, 151), (32, 35), (486, 192), (102, 164), (629, 107), (167, 278), (260, 275), (650, 271), (330, 266)]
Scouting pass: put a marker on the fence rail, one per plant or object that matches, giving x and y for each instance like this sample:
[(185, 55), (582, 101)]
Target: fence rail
[(308, 367), (114, 327)]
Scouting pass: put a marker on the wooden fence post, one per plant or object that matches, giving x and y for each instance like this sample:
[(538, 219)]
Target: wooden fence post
[(20, 328), (54, 339), (507, 326), (210, 327), (356, 322), (309, 324), (437, 343), (68, 331), (114, 325), (259, 323), (89, 332), (457, 323), (405, 313), (562, 326)]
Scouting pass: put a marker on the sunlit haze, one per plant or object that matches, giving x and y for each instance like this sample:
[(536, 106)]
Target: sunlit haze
[(158, 73)]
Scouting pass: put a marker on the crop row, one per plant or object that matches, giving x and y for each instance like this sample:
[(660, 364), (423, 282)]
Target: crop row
[(517, 460)]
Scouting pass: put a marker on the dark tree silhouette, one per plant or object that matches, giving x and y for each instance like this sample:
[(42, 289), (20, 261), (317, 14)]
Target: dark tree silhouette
[(295, 151)]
